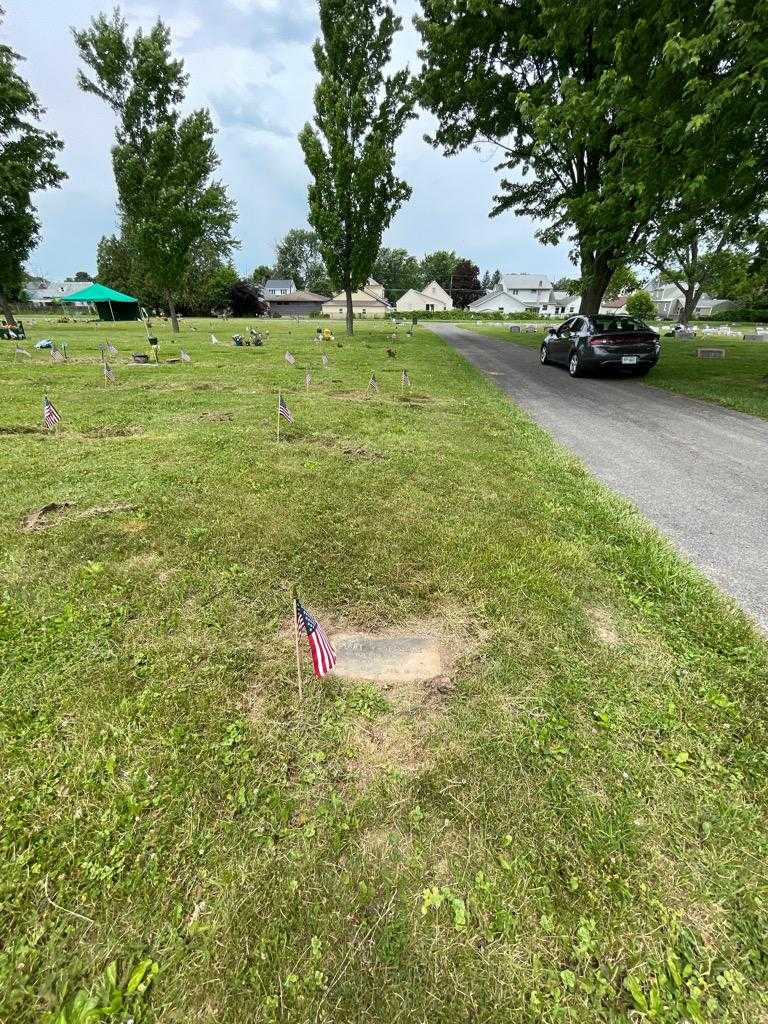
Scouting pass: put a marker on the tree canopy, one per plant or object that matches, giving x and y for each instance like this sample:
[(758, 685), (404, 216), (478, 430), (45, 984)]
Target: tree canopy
[(466, 286), (350, 152), (438, 266), (398, 271), (163, 162), (592, 103), (28, 164), (298, 257)]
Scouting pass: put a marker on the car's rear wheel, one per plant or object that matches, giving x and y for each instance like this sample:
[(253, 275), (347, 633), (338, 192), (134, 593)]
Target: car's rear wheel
[(544, 355), (574, 365)]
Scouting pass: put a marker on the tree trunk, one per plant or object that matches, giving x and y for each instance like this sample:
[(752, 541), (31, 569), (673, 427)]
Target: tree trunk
[(350, 314), (596, 274), (691, 297), (172, 311), (6, 308)]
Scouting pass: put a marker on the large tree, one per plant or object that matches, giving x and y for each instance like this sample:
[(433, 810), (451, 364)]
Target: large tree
[(465, 284), (580, 97), (298, 257), (360, 114), (697, 261), (205, 286), (398, 271), (163, 162), (27, 164), (438, 266)]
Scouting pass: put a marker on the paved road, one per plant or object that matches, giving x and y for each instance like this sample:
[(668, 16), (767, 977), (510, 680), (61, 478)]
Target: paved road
[(698, 471)]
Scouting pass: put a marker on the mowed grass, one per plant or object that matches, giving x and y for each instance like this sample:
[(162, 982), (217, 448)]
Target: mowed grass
[(740, 381), (576, 832)]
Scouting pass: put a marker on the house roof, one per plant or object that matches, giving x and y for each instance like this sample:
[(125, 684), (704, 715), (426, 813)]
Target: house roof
[(616, 303), (490, 296), (561, 298), (55, 290), (298, 296), (530, 281), (275, 282), (359, 298)]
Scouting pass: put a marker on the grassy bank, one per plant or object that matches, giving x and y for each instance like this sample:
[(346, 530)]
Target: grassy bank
[(572, 830), (740, 381)]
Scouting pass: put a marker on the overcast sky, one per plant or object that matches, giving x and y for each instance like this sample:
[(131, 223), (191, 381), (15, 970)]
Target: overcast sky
[(250, 63)]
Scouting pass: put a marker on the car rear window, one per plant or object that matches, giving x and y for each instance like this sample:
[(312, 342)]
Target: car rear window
[(618, 324)]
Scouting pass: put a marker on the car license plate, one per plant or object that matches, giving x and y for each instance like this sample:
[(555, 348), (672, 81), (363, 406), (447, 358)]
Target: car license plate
[(629, 360)]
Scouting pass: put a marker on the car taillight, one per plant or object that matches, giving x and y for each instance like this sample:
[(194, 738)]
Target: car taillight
[(597, 341)]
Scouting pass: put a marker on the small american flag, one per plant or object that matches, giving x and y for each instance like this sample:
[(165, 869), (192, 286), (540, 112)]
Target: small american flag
[(406, 379), (185, 357), (50, 414), (57, 356), (109, 374), (308, 379), (22, 352), (111, 349), (283, 410), (291, 359), (373, 384), (325, 359), (320, 647)]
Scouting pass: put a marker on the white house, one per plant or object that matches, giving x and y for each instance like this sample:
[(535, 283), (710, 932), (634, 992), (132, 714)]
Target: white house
[(533, 290), (498, 301), (618, 305), (367, 302), (669, 301), (53, 290), (430, 299), (275, 286), (560, 304)]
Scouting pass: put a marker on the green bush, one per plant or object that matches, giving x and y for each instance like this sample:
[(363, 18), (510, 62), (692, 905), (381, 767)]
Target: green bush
[(640, 304), (736, 316)]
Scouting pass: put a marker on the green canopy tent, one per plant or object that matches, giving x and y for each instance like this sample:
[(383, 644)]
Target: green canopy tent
[(110, 304)]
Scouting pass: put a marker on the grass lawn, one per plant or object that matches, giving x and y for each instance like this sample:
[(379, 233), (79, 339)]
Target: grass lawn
[(575, 833), (740, 381)]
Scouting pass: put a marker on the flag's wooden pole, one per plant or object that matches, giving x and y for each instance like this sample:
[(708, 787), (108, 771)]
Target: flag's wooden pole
[(298, 658)]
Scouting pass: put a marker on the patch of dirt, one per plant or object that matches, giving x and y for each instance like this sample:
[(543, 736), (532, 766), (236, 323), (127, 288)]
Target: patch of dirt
[(218, 417), (344, 447), (417, 400), (350, 396), (52, 513), (38, 519), (390, 744), (603, 624), (107, 431), (12, 431)]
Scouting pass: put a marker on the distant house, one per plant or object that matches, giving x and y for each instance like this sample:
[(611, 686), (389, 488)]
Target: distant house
[(298, 303), (49, 292), (533, 290), (367, 302), (498, 301), (617, 305), (560, 304), (275, 286), (430, 299), (669, 302)]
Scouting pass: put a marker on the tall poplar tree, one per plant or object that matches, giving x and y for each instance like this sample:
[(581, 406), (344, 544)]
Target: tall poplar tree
[(359, 115), (27, 164), (163, 163)]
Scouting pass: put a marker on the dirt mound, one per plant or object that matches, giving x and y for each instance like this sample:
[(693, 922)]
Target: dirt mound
[(52, 514)]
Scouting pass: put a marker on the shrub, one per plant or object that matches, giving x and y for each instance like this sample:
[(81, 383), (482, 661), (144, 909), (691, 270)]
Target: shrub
[(640, 304)]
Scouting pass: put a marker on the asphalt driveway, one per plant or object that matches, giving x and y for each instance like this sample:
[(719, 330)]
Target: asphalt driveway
[(697, 471)]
